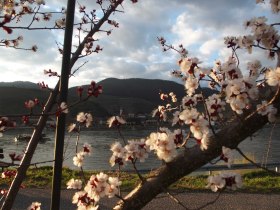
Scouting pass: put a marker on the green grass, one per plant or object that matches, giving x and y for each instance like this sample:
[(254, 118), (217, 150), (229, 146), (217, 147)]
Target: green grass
[(261, 181), (257, 181)]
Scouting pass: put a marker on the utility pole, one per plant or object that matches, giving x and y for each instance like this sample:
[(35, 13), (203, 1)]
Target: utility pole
[(61, 119)]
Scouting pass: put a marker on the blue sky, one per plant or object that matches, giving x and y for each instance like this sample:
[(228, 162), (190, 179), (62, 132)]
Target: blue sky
[(132, 50)]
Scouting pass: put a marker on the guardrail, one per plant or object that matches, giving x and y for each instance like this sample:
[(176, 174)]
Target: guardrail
[(275, 166)]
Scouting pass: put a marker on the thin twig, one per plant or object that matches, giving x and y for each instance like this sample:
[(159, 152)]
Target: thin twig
[(210, 202), (255, 164), (137, 172), (207, 111), (263, 106), (121, 135), (269, 144), (77, 69), (172, 197)]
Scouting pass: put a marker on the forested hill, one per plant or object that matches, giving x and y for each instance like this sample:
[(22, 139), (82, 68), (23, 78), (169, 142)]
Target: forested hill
[(131, 95), (20, 84), (145, 89), (141, 88)]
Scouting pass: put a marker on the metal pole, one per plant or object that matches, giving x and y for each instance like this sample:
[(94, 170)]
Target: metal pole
[(61, 119)]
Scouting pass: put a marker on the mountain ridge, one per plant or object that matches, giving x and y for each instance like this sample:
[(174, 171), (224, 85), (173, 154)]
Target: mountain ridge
[(20, 84), (132, 95)]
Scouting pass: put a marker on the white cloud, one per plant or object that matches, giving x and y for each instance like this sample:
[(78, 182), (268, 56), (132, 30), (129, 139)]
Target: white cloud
[(211, 46), (132, 49)]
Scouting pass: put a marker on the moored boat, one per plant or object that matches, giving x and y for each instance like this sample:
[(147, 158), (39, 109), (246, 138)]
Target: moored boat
[(27, 137)]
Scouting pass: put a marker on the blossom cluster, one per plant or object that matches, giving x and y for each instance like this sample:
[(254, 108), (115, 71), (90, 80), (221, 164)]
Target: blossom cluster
[(34, 206), (235, 89), (224, 180), (5, 123), (115, 121), (134, 150), (269, 110), (273, 77), (215, 106), (199, 126), (30, 104), (92, 90), (263, 34), (8, 174), (227, 156), (15, 10), (97, 187), (80, 156), (163, 143), (160, 112), (82, 119), (164, 96)]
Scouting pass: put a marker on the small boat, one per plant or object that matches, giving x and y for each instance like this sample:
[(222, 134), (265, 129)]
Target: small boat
[(22, 137), (27, 137)]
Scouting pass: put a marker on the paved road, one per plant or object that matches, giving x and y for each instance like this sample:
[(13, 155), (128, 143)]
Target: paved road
[(234, 201)]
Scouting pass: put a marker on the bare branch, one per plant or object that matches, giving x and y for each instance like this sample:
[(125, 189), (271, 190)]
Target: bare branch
[(255, 164)]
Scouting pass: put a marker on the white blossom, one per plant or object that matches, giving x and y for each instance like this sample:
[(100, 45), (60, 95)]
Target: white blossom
[(269, 110), (78, 159), (224, 180), (114, 184), (74, 184), (227, 156), (60, 23), (115, 121), (63, 107), (160, 112), (191, 85), (163, 144), (85, 118), (39, 2), (34, 206), (84, 201), (71, 127), (87, 149), (199, 127), (216, 182), (273, 77), (189, 115)]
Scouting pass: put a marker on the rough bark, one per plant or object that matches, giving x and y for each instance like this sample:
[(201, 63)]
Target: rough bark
[(24, 165), (194, 158)]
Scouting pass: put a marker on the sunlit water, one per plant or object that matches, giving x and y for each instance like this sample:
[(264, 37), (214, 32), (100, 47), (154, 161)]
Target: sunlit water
[(258, 147)]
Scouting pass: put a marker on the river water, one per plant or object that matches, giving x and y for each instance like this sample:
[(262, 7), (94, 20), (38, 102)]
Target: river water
[(263, 146)]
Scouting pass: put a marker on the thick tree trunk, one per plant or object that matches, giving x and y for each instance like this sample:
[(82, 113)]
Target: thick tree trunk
[(194, 158)]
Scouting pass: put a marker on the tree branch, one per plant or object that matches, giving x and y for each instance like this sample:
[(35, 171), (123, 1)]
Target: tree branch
[(194, 158)]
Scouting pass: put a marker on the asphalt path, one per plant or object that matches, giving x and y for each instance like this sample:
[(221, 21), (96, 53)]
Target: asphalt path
[(191, 200)]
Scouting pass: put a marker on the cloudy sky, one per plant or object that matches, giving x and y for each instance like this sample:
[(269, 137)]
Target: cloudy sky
[(132, 50)]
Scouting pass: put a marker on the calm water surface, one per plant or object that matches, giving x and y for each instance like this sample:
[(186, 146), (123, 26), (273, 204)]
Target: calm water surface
[(264, 146)]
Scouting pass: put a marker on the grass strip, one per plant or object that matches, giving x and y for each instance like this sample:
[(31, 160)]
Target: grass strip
[(256, 181)]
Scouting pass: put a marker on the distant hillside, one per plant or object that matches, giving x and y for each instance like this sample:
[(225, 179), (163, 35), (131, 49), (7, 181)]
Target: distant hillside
[(12, 99), (19, 84), (141, 88), (132, 95)]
